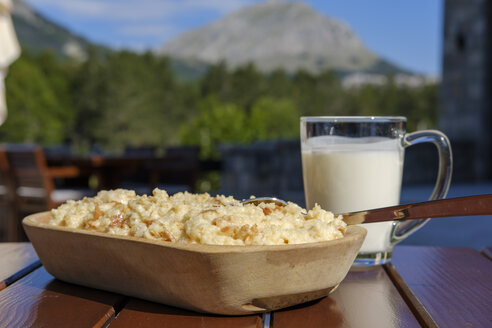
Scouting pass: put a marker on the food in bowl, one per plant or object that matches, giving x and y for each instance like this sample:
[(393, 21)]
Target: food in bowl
[(198, 218)]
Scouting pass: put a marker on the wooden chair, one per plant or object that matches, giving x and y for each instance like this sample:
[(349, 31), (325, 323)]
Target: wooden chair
[(34, 181), (7, 201)]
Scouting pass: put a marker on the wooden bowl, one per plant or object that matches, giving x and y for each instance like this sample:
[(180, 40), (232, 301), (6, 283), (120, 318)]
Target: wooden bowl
[(231, 280)]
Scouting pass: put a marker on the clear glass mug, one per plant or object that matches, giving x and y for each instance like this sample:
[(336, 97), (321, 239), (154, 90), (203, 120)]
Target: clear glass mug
[(356, 163)]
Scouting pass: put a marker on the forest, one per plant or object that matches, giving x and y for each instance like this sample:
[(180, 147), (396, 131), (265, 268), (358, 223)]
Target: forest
[(118, 99)]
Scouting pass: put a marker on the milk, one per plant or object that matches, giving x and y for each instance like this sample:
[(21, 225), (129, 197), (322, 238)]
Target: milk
[(351, 174)]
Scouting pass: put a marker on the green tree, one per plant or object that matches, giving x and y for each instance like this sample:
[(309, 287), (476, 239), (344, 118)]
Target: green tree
[(216, 123), (279, 84), (122, 98), (246, 86), (39, 108), (89, 92), (216, 81), (129, 99), (139, 101), (320, 94), (425, 108), (418, 104), (274, 119)]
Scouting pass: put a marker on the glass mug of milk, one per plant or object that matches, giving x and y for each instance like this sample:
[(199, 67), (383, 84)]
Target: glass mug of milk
[(356, 163)]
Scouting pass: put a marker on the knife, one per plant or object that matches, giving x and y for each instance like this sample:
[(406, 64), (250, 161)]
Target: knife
[(460, 206)]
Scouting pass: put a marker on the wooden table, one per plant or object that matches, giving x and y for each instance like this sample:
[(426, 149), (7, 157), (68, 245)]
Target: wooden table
[(425, 286)]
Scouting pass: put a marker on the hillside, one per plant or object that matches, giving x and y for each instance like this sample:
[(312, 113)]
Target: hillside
[(37, 33), (287, 35)]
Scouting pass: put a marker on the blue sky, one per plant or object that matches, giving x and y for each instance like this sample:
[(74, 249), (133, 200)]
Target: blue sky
[(406, 32)]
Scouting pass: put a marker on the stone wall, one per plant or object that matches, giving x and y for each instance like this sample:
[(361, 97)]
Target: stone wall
[(269, 168)]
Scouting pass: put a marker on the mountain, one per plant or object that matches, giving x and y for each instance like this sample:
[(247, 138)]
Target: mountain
[(289, 35), (37, 33), (275, 34)]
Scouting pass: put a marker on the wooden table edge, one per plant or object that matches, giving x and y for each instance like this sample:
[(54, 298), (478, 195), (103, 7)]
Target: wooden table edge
[(107, 319), (417, 308), (21, 273), (487, 252)]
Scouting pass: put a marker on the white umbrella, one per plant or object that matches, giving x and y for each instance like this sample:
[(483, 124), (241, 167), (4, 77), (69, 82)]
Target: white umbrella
[(9, 50)]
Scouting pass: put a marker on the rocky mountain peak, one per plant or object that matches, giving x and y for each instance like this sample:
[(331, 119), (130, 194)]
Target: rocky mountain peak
[(275, 34)]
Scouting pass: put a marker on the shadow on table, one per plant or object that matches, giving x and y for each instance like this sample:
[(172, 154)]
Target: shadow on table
[(323, 312), (57, 286), (138, 311)]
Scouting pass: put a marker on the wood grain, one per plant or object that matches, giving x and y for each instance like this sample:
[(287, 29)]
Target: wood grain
[(363, 299), (139, 313), (487, 252), (38, 300), (16, 260), (453, 284)]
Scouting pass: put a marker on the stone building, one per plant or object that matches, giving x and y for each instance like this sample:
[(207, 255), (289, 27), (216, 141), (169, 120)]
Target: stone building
[(466, 107)]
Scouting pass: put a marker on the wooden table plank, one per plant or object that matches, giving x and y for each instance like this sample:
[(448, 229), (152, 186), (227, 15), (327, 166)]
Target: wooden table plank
[(420, 312), (39, 300), (16, 260), (487, 252), (453, 284), (139, 313), (363, 299)]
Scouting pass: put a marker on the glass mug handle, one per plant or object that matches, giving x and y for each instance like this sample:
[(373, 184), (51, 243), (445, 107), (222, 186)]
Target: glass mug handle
[(403, 229)]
